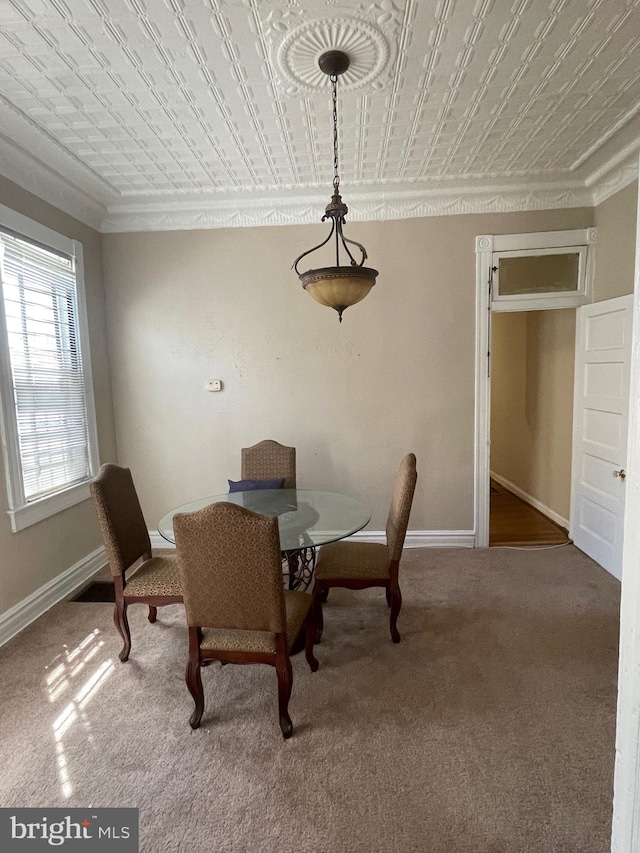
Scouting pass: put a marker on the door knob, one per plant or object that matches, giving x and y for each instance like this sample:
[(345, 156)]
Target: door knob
[(621, 473)]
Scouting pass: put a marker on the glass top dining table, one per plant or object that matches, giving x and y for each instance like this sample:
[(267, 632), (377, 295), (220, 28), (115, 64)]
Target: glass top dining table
[(306, 518)]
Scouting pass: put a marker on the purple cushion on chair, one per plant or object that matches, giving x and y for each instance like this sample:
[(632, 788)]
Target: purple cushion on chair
[(254, 485)]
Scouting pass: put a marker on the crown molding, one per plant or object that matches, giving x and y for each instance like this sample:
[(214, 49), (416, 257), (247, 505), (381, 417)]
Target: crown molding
[(620, 138), (240, 213), (616, 174), (36, 177), (382, 203), (615, 181)]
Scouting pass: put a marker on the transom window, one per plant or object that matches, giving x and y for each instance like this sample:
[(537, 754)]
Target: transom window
[(541, 270), (48, 416)]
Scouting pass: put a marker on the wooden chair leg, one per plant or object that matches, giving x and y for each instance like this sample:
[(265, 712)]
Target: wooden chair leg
[(325, 595), (316, 604), (153, 613), (122, 624), (396, 604), (284, 673), (193, 678), (310, 638), (388, 594)]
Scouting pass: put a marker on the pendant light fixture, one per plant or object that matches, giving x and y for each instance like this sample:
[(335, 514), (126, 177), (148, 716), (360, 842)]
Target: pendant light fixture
[(342, 285)]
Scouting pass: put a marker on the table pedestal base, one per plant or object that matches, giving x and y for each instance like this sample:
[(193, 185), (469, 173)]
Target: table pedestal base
[(298, 568)]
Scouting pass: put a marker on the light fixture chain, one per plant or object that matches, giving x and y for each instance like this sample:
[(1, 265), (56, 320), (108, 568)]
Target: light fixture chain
[(334, 94)]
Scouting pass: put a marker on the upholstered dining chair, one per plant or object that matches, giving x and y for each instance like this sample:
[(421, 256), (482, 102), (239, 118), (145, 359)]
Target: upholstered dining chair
[(237, 610), (268, 460), (156, 581), (359, 565)]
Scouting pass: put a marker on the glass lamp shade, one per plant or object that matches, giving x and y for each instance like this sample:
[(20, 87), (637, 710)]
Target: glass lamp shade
[(339, 287)]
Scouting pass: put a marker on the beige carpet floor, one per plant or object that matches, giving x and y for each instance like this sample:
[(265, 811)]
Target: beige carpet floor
[(489, 729)]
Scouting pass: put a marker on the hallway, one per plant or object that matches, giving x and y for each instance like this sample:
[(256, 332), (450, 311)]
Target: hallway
[(515, 523)]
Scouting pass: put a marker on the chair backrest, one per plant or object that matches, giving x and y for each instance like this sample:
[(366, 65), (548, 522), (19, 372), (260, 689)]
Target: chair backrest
[(269, 460), (400, 510), (122, 523), (231, 568)]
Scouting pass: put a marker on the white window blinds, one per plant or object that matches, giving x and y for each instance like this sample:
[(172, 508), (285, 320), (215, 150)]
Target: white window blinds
[(41, 313)]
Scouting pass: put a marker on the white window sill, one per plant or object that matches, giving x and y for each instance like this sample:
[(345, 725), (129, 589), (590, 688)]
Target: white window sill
[(32, 513)]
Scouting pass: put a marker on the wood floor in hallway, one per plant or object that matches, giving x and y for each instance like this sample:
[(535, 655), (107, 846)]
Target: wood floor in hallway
[(514, 522)]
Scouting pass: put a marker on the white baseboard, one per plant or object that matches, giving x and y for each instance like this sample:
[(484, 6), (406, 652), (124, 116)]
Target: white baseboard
[(414, 538), (34, 605), (423, 538), (159, 543), (534, 502)]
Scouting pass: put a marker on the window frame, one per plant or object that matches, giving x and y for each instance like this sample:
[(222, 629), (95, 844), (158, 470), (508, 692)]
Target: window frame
[(23, 513), (577, 241), (555, 296)]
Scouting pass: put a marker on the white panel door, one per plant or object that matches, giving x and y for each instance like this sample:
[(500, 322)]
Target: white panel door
[(601, 413)]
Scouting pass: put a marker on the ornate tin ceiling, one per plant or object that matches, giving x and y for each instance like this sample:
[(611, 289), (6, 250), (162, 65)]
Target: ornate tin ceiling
[(195, 113)]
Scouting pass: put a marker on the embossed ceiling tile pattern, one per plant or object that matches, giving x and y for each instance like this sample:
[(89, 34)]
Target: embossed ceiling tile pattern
[(156, 99)]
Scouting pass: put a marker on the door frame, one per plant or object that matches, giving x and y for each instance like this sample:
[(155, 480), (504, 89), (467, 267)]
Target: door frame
[(486, 245)]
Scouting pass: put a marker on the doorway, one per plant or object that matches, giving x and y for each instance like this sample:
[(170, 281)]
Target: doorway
[(532, 272), (532, 370)]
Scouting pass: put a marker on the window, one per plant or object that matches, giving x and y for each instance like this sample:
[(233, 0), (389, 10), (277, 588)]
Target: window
[(541, 270), (550, 271), (48, 418)]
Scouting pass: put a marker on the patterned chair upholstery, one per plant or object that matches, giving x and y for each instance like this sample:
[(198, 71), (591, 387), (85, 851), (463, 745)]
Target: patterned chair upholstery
[(237, 610), (358, 565), (269, 460), (124, 532)]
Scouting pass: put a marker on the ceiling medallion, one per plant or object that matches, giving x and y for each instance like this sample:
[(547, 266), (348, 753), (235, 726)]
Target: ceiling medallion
[(365, 45)]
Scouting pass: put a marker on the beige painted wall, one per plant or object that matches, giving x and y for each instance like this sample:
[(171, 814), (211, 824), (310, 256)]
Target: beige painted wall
[(615, 220), (36, 555), (396, 376), (532, 403)]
